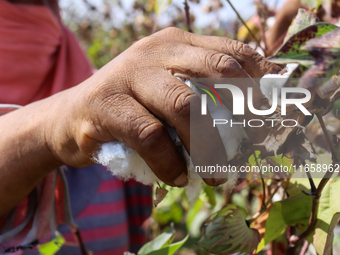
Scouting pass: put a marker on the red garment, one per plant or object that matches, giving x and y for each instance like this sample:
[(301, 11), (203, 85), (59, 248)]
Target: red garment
[(47, 59), (39, 57)]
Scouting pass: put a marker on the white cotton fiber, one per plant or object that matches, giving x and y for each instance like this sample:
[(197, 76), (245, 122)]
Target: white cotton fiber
[(125, 163), (269, 81)]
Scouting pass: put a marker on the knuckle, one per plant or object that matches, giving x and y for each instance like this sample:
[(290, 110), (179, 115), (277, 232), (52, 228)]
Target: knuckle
[(150, 133), (179, 97), (146, 45), (233, 65), (271, 68), (222, 63), (174, 34), (245, 51), (169, 32)]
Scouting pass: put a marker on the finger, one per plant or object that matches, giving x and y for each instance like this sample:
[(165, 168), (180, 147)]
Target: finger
[(201, 62), (173, 103), (132, 124), (254, 64), (197, 62)]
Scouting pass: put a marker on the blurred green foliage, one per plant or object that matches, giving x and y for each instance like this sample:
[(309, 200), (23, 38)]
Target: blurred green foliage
[(104, 36)]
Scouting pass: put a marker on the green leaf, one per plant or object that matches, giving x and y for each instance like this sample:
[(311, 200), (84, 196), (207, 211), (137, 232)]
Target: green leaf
[(291, 51), (158, 243), (210, 193), (252, 159), (303, 19), (328, 215), (326, 50), (53, 246), (311, 4), (195, 218), (296, 210), (293, 211), (169, 249), (167, 214), (275, 225)]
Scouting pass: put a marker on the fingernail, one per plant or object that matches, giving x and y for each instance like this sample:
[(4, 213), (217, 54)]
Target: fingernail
[(219, 181), (181, 181), (220, 178)]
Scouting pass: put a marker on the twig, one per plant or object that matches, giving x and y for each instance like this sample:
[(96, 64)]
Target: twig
[(304, 248), (244, 23), (263, 184), (76, 233), (317, 194), (277, 43), (262, 12), (328, 138), (258, 214), (187, 15), (311, 181)]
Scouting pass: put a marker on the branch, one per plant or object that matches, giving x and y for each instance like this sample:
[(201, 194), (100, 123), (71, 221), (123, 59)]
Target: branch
[(264, 208), (187, 15), (263, 184), (76, 233), (317, 194), (328, 138), (244, 23), (276, 44)]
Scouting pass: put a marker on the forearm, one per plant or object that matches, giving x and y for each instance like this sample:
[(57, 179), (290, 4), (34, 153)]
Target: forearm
[(284, 18), (25, 156)]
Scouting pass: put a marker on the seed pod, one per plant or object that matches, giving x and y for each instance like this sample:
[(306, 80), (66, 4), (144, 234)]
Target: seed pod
[(228, 232)]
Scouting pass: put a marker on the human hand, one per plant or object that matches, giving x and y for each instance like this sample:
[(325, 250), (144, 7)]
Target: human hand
[(121, 100)]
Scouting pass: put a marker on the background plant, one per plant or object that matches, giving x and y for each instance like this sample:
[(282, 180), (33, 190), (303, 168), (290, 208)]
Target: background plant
[(279, 215)]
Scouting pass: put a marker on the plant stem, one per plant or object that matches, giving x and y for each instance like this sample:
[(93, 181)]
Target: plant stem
[(76, 233), (263, 184), (264, 208), (311, 182), (244, 23), (277, 43), (328, 138), (317, 194), (304, 248), (187, 15)]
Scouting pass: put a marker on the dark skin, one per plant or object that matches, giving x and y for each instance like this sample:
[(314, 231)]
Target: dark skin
[(118, 103)]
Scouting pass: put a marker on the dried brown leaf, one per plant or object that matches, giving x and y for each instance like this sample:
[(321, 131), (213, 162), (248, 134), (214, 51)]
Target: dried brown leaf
[(160, 195)]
